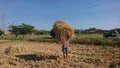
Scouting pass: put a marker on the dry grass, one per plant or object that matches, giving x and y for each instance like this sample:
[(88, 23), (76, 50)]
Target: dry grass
[(17, 49), (63, 32), (47, 55)]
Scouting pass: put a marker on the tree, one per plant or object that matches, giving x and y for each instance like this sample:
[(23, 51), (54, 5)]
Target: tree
[(1, 33), (41, 32), (52, 33), (92, 29), (14, 30), (21, 29), (26, 29)]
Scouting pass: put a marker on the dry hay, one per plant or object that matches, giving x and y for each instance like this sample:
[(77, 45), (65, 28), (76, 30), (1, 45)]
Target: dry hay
[(4, 41), (80, 56), (16, 49), (63, 31), (6, 66)]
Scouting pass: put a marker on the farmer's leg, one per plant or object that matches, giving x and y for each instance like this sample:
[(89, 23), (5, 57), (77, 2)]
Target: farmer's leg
[(66, 52), (63, 50)]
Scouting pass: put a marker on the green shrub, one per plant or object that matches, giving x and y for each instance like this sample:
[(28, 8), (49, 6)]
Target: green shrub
[(41, 32), (43, 39), (80, 41), (99, 41)]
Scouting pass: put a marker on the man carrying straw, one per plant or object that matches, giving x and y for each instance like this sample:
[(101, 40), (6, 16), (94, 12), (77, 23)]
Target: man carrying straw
[(63, 33)]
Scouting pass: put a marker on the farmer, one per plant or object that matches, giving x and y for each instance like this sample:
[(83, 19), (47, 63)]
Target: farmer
[(65, 49)]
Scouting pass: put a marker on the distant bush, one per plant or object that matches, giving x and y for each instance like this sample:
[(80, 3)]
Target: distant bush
[(42, 39), (52, 33), (99, 41), (41, 32), (96, 41), (1, 32), (80, 41)]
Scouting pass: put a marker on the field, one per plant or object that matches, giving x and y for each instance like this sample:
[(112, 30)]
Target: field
[(49, 55)]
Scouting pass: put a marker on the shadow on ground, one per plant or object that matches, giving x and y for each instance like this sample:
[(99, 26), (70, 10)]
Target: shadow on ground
[(35, 57)]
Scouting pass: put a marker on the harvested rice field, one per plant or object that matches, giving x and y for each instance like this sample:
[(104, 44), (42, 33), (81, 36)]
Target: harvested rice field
[(23, 54)]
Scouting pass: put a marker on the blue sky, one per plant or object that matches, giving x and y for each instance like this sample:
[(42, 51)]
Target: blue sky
[(80, 14)]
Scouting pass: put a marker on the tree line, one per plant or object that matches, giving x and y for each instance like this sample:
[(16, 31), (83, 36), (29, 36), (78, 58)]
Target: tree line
[(94, 30), (25, 29)]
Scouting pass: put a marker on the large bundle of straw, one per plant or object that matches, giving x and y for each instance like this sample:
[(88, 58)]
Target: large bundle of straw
[(63, 32), (16, 49)]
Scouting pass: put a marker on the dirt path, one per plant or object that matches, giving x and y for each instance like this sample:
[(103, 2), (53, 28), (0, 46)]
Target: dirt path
[(46, 55)]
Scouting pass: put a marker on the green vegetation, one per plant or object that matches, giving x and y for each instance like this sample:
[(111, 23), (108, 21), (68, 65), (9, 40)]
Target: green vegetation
[(1, 32), (41, 32), (91, 36), (88, 39), (21, 29), (42, 38), (95, 39)]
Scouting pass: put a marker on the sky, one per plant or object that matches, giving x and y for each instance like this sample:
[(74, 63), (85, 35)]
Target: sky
[(80, 14)]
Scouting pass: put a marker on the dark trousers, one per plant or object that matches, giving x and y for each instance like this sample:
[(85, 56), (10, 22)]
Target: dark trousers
[(64, 50)]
